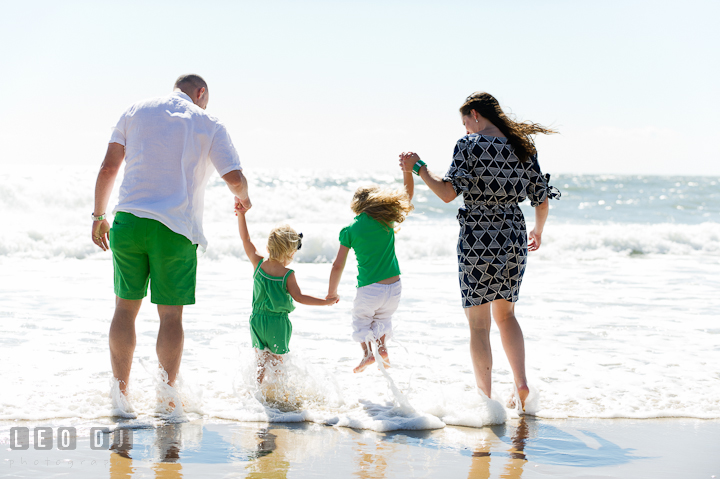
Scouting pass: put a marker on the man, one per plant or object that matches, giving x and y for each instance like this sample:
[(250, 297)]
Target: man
[(169, 145)]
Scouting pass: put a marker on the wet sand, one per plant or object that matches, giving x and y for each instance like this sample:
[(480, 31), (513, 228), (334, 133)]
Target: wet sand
[(522, 448)]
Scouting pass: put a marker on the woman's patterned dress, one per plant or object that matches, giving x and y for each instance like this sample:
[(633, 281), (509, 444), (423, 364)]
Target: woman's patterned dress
[(492, 247)]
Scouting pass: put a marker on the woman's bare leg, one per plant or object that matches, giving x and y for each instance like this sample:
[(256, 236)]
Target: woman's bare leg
[(479, 322), (513, 343)]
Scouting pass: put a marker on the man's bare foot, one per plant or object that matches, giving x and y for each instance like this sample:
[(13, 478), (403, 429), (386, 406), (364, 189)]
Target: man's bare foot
[(121, 406), (366, 361), (167, 405)]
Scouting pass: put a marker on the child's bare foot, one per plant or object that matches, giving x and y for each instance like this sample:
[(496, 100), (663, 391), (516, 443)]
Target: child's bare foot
[(366, 361), (384, 355)]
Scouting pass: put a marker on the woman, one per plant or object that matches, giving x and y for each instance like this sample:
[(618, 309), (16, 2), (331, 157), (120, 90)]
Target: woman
[(494, 167)]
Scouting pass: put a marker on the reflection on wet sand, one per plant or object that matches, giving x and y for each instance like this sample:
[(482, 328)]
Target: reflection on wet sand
[(372, 458), (513, 469), (552, 445), (264, 453), (166, 463), (480, 465), (168, 440), (121, 465), (271, 462), (273, 450)]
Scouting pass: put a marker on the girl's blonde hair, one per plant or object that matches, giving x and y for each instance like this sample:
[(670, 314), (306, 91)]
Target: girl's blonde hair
[(282, 243), (386, 206)]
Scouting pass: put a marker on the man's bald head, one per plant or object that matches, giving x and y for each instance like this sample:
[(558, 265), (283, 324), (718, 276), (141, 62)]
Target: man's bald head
[(195, 87)]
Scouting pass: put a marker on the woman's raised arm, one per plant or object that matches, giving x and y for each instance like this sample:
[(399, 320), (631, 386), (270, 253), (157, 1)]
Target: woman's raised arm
[(442, 189)]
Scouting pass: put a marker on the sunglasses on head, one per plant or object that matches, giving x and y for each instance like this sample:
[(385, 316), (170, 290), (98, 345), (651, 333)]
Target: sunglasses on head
[(299, 241)]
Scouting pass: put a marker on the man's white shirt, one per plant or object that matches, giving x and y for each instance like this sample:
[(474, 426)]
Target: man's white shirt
[(171, 145)]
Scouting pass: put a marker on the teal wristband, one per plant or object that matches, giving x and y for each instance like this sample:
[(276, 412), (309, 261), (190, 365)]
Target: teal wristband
[(416, 167)]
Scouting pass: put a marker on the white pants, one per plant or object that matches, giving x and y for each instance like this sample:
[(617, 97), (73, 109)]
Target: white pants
[(373, 309)]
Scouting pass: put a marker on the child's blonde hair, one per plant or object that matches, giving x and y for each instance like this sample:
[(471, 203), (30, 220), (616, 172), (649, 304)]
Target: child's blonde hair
[(282, 243), (386, 206)]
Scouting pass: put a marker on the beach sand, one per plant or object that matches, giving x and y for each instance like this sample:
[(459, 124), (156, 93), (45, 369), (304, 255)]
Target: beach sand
[(522, 448)]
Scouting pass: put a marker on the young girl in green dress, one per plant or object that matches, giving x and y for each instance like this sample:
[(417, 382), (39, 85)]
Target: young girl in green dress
[(372, 236), (274, 289)]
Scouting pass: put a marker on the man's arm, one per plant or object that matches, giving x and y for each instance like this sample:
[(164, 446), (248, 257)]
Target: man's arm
[(103, 189), (238, 186)]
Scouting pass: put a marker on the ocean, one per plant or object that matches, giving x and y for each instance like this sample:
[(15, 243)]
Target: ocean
[(620, 308)]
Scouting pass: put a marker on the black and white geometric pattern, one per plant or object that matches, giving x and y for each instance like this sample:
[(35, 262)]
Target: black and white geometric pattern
[(492, 247)]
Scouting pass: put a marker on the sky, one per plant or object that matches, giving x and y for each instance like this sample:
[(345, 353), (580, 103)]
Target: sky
[(632, 86)]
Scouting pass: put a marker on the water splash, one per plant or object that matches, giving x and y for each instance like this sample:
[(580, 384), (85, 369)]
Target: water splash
[(289, 388), (121, 406), (403, 405), (532, 402), (173, 403)]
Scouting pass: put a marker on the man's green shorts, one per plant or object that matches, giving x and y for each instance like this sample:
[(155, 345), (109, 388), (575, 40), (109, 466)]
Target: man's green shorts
[(270, 331), (146, 250)]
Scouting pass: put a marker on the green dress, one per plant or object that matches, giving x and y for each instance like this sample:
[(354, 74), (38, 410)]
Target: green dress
[(270, 325)]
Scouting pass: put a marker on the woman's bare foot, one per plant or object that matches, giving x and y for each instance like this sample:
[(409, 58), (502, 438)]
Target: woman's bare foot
[(366, 361), (522, 392)]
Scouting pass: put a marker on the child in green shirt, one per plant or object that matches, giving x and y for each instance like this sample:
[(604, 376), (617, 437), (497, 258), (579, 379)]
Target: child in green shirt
[(372, 236), (274, 288)]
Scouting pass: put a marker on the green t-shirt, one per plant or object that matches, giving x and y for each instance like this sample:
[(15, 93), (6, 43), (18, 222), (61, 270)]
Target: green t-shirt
[(374, 245)]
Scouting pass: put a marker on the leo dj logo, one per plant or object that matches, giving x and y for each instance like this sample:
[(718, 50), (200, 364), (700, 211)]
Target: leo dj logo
[(66, 438)]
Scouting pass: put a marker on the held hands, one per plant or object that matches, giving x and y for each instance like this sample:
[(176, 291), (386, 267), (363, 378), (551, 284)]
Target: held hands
[(534, 240), (100, 234), (240, 207), (408, 160), (331, 299)]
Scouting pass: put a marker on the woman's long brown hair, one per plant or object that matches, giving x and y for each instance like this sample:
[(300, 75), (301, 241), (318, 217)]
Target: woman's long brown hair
[(517, 133)]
